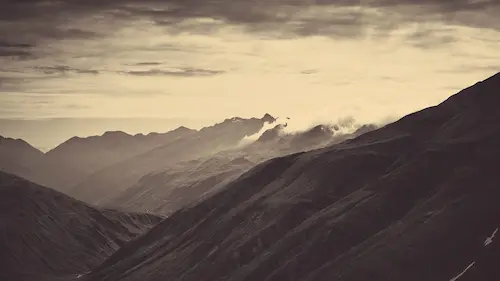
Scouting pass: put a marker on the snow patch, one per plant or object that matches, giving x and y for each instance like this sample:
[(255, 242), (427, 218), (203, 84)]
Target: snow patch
[(463, 272), (489, 240)]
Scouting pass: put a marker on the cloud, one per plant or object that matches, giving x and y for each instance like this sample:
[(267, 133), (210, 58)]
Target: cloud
[(181, 72), (15, 49), (468, 68), (13, 53), (285, 18), (64, 69), (147, 63), (6, 44), (431, 36)]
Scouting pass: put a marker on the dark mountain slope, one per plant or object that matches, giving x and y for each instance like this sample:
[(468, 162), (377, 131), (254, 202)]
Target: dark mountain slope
[(414, 200), (18, 157), (46, 233), (207, 141)]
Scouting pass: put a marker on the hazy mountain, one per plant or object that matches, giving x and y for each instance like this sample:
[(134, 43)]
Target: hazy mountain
[(75, 159), (46, 233), (114, 179), (186, 182), (18, 157), (35, 131), (414, 200), (81, 157)]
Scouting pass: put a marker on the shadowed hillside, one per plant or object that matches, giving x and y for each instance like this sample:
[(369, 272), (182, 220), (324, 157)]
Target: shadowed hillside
[(46, 233), (414, 200)]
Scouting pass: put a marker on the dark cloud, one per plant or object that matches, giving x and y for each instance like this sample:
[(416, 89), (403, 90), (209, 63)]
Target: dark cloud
[(63, 69), (35, 20), (147, 63), (6, 44), (14, 53), (431, 37), (16, 50), (182, 72)]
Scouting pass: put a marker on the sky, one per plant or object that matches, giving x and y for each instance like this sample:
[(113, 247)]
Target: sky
[(73, 67)]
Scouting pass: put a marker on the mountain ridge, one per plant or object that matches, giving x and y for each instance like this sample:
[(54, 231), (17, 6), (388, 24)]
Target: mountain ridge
[(77, 158)]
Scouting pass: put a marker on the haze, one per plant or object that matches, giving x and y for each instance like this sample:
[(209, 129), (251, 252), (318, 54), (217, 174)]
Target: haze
[(142, 66)]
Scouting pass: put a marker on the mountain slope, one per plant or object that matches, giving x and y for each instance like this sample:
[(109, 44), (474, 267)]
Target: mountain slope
[(18, 157), (207, 141), (188, 182), (414, 200), (46, 233)]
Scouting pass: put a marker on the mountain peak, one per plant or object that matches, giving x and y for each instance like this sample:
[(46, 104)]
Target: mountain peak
[(268, 118), (115, 134)]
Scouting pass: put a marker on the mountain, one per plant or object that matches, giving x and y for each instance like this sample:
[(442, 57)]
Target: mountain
[(414, 200), (46, 233), (18, 157), (116, 178), (181, 185), (77, 158), (187, 182)]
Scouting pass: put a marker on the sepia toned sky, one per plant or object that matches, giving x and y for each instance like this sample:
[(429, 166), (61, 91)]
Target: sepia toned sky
[(199, 61)]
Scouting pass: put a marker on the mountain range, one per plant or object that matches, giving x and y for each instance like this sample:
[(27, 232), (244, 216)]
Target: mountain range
[(163, 172), (416, 199), (73, 161)]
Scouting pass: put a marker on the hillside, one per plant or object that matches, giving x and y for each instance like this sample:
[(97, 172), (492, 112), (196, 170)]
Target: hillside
[(414, 200), (46, 233), (19, 157), (114, 179)]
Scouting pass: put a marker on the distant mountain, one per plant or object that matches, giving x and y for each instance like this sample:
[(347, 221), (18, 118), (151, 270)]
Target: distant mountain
[(18, 157), (414, 200), (77, 158), (46, 233), (116, 178), (187, 182)]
